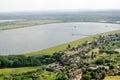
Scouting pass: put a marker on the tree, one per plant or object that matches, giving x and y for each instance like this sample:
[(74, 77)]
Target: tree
[(86, 77), (61, 76), (111, 66), (103, 74), (57, 56), (69, 46), (100, 61)]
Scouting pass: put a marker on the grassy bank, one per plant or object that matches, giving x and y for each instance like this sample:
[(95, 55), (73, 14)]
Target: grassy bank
[(25, 23), (50, 51)]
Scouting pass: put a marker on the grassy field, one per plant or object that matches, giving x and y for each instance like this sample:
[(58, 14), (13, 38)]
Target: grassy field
[(50, 51), (45, 75), (25, 23), (17, 70), (112, 78)]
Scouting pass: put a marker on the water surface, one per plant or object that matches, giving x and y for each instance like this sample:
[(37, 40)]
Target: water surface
[(22, 40)]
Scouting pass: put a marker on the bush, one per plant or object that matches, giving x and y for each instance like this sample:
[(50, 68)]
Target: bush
[(86, 77)]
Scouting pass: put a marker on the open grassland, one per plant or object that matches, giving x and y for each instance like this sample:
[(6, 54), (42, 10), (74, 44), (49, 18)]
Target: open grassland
[(43, 75), (50, 51), (17, 70), (8, 71), (112, 78), (25, 23)]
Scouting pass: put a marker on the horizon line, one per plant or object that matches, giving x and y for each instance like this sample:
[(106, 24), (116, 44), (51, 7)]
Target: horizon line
[(62, 10)]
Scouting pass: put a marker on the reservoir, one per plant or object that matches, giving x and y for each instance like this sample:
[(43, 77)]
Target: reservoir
[(34, 38)]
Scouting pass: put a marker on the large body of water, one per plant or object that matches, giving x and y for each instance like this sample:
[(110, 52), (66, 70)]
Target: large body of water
[(22, 40)]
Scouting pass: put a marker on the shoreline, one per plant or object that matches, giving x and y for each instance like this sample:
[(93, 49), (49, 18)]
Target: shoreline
[(27, 23), (61, 47), (16, 25)]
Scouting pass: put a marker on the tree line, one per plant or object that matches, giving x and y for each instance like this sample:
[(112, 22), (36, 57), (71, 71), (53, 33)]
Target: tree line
[(13, 61)]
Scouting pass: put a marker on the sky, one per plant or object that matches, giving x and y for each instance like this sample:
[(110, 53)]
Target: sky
[(45, 5)]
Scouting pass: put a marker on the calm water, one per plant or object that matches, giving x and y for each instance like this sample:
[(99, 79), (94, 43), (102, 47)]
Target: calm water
[(35, 38)]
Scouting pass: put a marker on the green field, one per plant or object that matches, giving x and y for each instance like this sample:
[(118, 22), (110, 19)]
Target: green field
[(50, 51), (17, 70), (8, 71), (25, 23), (47, 76), (44, 75), (112, 78)]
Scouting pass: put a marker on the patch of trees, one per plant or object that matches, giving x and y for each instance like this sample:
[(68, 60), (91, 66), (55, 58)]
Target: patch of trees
[(100, 61), (97, 74), (61, 76), (108, 51), (57, 57), (86, 77), (105, 61), (23, 61)]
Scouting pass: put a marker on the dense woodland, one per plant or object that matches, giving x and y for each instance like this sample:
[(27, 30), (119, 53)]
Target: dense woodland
[(90, 60)]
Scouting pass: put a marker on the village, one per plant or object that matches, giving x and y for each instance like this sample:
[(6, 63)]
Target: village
[(80, 60)]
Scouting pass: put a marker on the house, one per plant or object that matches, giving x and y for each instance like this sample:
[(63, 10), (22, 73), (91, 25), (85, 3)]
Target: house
[(55, 66), (76, 74), (93, 66)]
